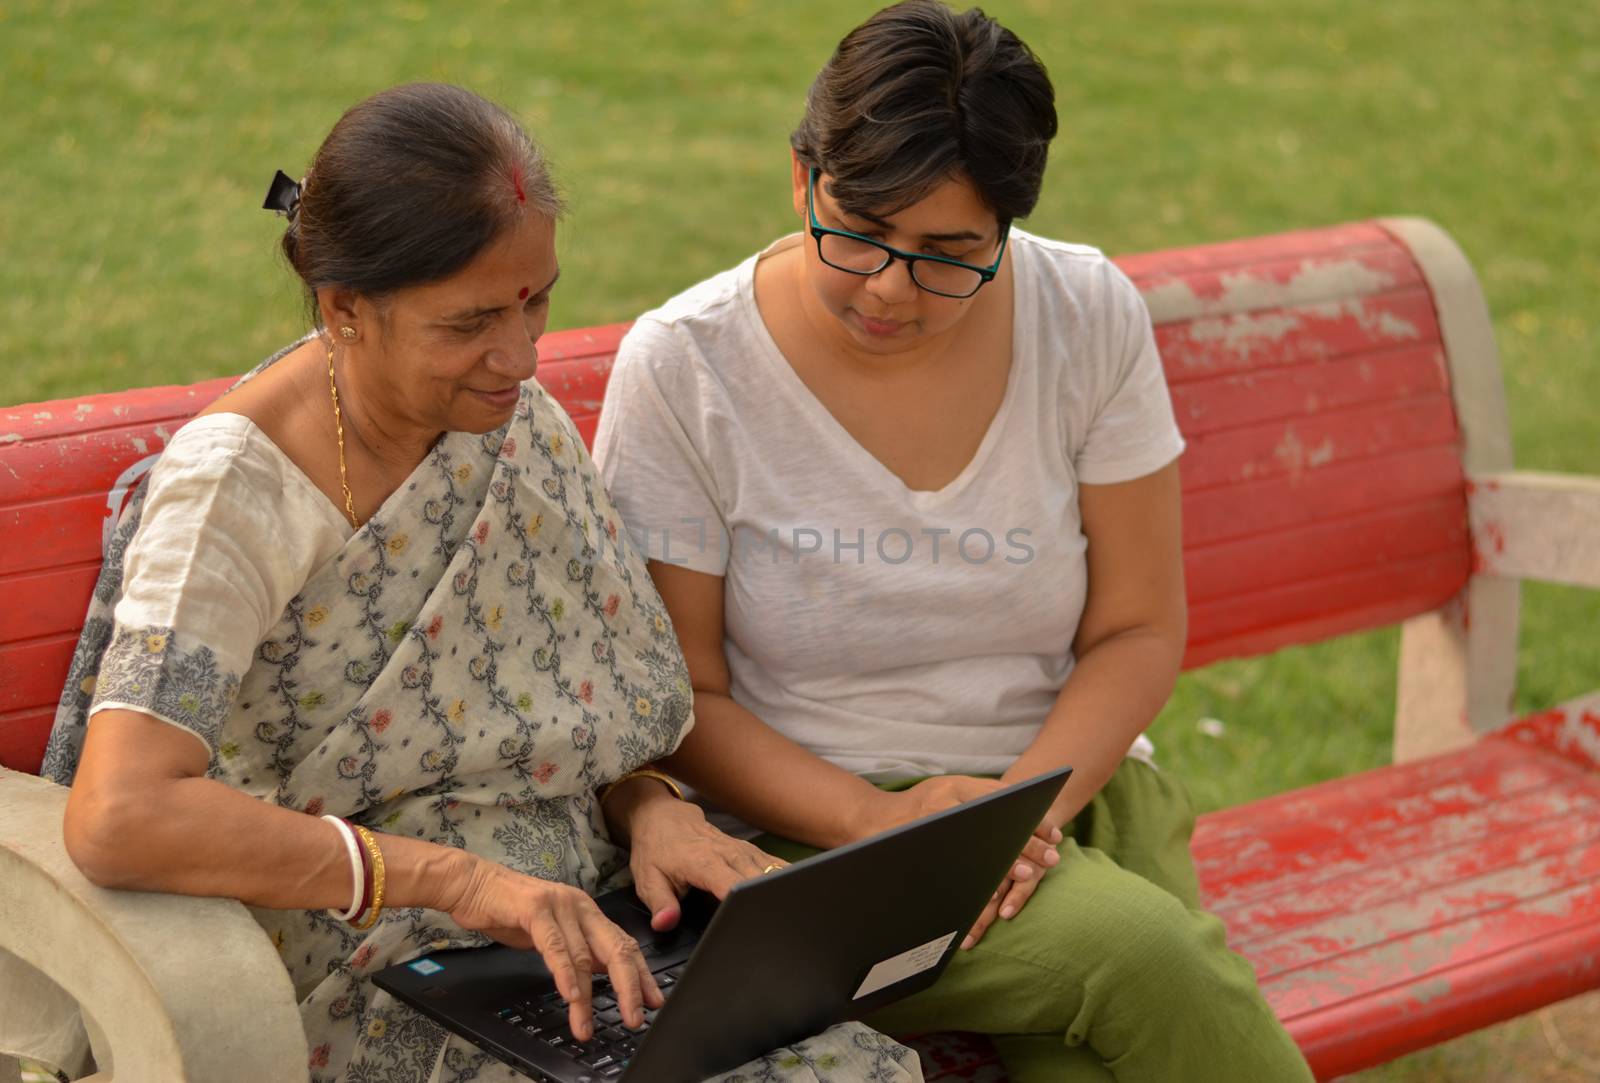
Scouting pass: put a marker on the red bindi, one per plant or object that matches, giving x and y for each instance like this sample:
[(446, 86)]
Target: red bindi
[(522, 294)]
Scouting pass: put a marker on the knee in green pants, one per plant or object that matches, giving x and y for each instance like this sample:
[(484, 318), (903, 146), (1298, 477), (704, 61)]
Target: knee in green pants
[(1111, 971)]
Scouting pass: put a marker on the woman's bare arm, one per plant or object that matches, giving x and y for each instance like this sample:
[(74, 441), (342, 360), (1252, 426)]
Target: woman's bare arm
[(1128, 650), (743, 765), (1130, 641), (142, 816)]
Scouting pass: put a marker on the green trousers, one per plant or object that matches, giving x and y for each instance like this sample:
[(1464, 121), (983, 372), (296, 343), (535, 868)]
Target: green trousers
[(1112, 971)]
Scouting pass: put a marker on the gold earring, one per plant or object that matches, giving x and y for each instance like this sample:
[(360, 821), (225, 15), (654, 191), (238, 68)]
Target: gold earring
[(348, 332)]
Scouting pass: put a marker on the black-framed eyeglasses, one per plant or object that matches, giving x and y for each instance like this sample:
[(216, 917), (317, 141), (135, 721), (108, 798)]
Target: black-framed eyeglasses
[(858, 255)]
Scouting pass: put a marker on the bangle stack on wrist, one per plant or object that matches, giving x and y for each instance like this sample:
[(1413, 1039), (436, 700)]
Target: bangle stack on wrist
[(366, 874), (370, 841), (643, 772)]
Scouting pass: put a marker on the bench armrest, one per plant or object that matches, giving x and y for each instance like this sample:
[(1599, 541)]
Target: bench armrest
[(1458, 664), (1528, 525), (173, 987)]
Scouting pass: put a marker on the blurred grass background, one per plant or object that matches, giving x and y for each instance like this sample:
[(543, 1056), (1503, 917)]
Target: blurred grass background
[(140, 137)]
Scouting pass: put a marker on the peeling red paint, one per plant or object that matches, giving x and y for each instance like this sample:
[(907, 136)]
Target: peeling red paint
[(1571, 731), (1495, 534)]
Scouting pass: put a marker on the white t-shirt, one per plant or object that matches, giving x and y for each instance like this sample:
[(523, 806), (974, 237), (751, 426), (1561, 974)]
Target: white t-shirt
[(894, 632)]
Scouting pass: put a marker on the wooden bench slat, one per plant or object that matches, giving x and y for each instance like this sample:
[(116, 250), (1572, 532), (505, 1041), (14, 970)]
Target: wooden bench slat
[(1355, 954), (1310, 803), (1212, 346), (1431, 925), (1317, 241), (1252, 644), (1304, 445), (47, 603), (77, 463), (45, 535), (1417, 585), (1263, 505), (115, 409), (1571, 730), (1177, 294), (581, 344), (32, 672), (23, 735), (1350, 841), (1525, 973), (1568, 821), (1240, 400), (1323, 550)]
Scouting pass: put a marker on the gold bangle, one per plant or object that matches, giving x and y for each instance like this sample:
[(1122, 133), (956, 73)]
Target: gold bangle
[(643, 772), (370, 841)]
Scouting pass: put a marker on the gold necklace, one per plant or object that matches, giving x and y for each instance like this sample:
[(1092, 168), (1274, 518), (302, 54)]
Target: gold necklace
[(338, 428)]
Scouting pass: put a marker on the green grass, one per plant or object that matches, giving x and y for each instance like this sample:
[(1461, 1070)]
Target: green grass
[(139, 140)]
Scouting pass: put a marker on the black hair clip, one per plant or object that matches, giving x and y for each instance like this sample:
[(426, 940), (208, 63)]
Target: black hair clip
[(283, 196)]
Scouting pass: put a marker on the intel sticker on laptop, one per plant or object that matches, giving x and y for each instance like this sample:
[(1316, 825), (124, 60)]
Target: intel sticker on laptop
[(426, 967), (908, 964)]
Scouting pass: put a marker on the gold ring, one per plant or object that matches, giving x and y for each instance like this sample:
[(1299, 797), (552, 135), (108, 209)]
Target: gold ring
[(770, 868)]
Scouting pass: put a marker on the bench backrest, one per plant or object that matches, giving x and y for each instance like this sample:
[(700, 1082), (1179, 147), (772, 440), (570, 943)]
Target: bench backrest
[(1323, 487)]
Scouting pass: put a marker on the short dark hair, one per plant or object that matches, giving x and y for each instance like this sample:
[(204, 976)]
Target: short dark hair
[(918, 93), (409, 186)]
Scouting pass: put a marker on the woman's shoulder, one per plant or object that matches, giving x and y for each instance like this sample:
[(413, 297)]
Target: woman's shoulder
[(1074, 264), (699, 340), (1068, 253), (225, 460), (706, 301), (1065, 275), (702, 316), (218, 444), (221, 444)]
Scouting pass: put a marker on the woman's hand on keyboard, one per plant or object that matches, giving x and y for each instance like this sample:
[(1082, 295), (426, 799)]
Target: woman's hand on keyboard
[(674, 849), (568, 931)]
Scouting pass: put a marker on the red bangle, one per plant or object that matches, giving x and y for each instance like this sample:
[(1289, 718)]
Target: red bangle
[(366, 881)]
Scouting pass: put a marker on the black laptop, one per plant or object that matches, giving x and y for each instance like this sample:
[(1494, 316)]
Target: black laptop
[(784, 956)]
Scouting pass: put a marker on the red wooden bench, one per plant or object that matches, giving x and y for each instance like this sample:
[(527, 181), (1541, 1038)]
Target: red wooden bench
[(1348, 468)]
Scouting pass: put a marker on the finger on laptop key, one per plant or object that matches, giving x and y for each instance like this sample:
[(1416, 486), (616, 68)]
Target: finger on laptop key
[(631, 983), (628, 979), (580, 1010), (552, 945)]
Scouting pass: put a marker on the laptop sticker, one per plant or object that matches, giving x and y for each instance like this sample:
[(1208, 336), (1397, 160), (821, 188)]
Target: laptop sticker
[(426, 967), (908, 964)]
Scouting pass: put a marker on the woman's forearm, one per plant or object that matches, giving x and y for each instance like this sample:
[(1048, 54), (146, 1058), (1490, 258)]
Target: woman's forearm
[(197, 836), (749, 769), (1114, 692)]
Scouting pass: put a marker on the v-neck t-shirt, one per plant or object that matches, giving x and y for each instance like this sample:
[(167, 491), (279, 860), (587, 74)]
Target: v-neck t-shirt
[(895, 632)]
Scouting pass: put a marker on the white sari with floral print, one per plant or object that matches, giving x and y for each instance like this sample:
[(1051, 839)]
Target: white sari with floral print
[(469, 667)]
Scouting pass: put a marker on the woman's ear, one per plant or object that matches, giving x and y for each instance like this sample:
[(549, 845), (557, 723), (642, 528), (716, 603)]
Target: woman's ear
[(800, 175), (338, 307)]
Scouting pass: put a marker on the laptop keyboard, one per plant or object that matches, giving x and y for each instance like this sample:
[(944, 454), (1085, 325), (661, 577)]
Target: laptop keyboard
[(606, 1055)]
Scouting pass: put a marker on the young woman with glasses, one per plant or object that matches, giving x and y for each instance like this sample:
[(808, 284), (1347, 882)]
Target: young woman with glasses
[(907, 482)]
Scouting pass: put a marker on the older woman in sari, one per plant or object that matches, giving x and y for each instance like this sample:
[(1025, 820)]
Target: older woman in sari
[(371, 584)]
